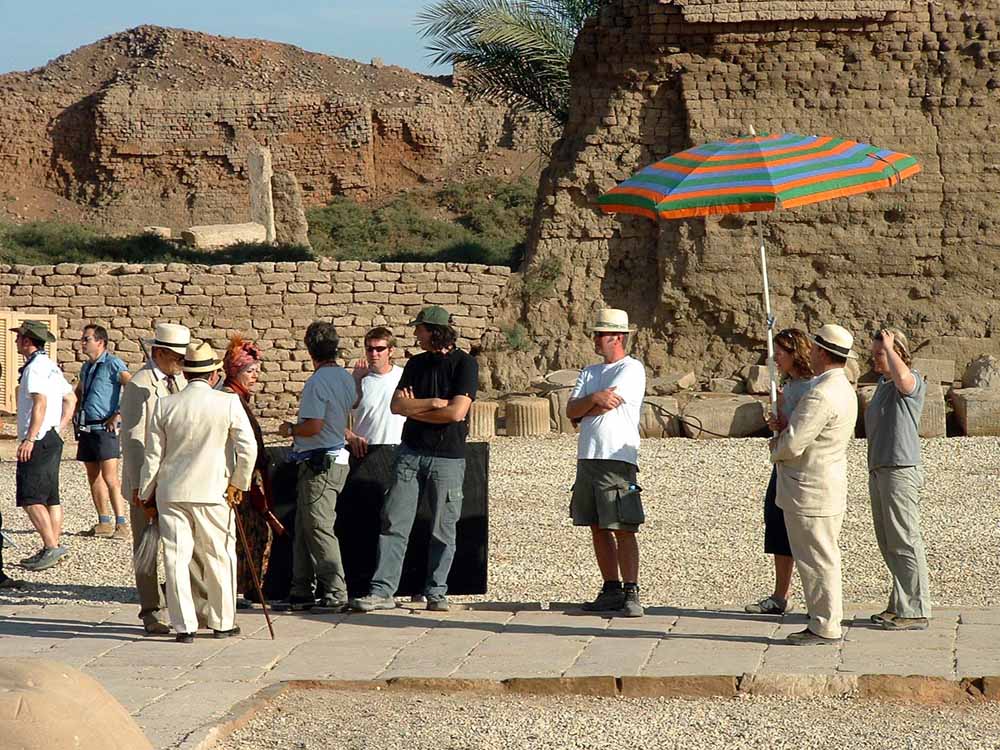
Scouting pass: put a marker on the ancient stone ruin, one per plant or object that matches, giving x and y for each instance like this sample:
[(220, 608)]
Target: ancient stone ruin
[(654, 77)]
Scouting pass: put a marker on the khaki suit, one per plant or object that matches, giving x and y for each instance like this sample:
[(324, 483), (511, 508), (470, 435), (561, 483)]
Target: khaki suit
[(811, 459), (199, 442), (138, 398)]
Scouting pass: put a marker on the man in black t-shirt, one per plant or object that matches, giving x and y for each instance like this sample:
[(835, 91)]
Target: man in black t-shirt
[(434, 394)]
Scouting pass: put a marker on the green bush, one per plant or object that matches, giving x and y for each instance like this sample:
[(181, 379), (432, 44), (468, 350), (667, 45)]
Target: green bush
[(518, 339)]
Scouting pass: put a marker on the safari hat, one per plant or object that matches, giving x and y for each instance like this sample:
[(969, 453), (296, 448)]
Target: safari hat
[(170, 336), (35, 329), (201, 358), (434, 315), (610, 320), (836, 339)]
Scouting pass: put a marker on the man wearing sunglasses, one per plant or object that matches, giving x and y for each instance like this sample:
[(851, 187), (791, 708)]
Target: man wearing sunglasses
[(376, 379)]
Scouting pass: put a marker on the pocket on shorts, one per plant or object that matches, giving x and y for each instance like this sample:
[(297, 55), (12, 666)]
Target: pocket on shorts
[(629, 505)]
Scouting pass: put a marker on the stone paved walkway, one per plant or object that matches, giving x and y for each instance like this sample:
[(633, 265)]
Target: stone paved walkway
[(176, 692)]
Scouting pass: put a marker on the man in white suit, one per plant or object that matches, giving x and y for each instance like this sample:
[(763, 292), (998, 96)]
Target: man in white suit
[(810, 452), (200, 454)]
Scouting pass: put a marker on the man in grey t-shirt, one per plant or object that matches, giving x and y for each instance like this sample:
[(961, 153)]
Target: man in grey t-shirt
[(318, 443), (892, 419)]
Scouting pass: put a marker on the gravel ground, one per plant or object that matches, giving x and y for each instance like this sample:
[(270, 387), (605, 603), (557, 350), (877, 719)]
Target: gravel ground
[(316, 719), (701, 545)]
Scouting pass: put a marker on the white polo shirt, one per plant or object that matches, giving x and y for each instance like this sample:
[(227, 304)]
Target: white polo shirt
[(615, 434), (43, 376)]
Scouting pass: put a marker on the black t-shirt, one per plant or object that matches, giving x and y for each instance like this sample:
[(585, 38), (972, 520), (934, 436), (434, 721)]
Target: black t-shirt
[(435, 375)]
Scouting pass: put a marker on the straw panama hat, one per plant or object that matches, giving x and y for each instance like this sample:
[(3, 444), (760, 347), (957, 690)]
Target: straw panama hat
[(610, 320), (836, 339), (170, 336), (201, 358)]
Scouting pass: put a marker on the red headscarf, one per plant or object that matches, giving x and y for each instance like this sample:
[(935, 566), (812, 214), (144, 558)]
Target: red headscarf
[(240, 355)]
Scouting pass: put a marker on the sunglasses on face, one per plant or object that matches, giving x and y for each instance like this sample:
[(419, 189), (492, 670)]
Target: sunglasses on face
[(87, 339), (379, 349)]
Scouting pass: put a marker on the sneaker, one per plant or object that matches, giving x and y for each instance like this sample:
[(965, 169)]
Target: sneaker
[(122, 533), (609, 600), (331, 603), (632, 606), (301, 603), (437, 604), (884, 616), (32, 559), (235, 630), (808, 638), (104, 529), (905, 623), (372, 602), (51, 556), (772, 605), (184, 638)]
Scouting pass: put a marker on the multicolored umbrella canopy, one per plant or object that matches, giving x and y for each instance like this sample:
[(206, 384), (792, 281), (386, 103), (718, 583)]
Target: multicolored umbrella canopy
[(757, 173)]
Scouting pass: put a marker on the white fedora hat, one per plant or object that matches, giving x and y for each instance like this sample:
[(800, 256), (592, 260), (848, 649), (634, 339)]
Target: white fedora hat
[(170, 336), (201, 358), (836, 339), (610, 320)]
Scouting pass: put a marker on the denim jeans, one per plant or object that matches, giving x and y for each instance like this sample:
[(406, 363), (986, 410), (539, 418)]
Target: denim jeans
[(413, 474)]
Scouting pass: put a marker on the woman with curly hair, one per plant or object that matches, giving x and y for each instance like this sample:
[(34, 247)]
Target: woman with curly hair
[(242, 368), (791, 355)]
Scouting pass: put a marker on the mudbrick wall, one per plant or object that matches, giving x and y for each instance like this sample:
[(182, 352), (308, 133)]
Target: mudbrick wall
[(272, 303), (651, 78)]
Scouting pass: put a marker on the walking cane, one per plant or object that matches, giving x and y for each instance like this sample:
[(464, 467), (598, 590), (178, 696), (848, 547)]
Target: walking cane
[(253, 570)]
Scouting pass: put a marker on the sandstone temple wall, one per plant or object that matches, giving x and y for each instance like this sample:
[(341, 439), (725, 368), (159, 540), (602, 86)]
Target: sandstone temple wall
[(654, 77), (272, 303)]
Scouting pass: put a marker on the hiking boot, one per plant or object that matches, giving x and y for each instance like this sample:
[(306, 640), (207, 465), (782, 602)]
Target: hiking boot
[(437, 604), (808, 638), (104, 529), (235, 630), (372, 602), (884, 616), (331, 603), (609, 600), (49, 557), (905, 623), (122, 533), (153, 626), (301, 603), (772, 605), (632, 607)]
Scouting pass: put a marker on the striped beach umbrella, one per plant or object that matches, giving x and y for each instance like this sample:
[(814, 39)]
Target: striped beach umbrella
[(757, 173)]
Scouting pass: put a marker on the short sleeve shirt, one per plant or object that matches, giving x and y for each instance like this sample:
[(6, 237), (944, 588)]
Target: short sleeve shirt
[(373, 419), (40, 376), (892, 422), (328, 395), (614, 435), (101, 388), (437, 375)]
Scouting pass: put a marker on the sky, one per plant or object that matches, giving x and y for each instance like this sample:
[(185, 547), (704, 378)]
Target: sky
[(32, 33)]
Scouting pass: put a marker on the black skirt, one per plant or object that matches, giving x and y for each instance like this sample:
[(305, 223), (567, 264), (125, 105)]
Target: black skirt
[(775, 533)]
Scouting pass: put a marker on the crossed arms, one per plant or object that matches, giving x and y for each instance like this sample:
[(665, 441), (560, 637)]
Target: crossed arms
[(431, 410)]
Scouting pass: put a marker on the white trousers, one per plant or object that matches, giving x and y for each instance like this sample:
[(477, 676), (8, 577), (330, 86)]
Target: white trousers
[(817, 557), (211, 528)]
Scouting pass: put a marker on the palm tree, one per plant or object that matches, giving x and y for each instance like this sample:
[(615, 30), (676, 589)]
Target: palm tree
[(515, 50)]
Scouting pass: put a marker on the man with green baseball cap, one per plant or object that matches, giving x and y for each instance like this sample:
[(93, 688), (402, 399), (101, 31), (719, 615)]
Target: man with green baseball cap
[(434, 393)]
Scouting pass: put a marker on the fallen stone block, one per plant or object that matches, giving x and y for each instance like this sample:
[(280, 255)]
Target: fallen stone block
[(527, 416), (671, 383), (982, 372), (482, 420), (164, 233), (726, 416), (935, 370), (977, 410), (726, 385), (659, 417), (46, 704), (933, 419), (217, 236), (558, 399), (561, 378), (758, 379), (961, 349)]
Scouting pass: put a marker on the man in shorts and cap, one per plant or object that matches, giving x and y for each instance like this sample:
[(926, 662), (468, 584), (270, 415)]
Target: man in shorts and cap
[(434, 393), (810, 453), (606, 402), (45, 404), (200, 455)]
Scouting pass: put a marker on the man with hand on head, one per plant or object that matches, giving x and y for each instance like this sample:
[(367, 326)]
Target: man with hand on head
[(199, 459), (607, 402), (376, 378), (811, 456)]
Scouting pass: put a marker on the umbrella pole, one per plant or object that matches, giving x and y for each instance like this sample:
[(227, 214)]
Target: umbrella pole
[(770, 318)]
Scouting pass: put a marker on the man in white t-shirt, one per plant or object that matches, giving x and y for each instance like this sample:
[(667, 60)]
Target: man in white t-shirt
[(45, 405), (606, 402), (376, 378)]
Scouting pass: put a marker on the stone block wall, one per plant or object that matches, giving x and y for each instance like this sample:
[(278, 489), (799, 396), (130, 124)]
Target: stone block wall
[(271, 303)]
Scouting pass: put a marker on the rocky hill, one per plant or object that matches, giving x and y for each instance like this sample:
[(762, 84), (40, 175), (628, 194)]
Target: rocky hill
[(153, 125)]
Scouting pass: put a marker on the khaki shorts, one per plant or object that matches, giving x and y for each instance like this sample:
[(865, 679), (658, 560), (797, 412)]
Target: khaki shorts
[(606, 495)]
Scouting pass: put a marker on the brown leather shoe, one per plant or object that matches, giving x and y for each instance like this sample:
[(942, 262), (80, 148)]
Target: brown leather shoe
[(123, 533), (155, 627), (105, 530), (906, 623)]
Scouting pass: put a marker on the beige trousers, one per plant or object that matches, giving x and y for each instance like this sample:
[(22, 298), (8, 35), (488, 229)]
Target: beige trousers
[(209, 528), (817, 557)]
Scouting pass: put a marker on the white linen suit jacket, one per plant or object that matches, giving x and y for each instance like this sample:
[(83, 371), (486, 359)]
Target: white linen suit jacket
[(136, 406), (200, 441), (811, 453)]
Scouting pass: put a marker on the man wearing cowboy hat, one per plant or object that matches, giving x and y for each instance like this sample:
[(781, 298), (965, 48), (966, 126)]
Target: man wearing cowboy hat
[(810, 452), (159, 377), (200, 455), (606, 402), (45, 404)]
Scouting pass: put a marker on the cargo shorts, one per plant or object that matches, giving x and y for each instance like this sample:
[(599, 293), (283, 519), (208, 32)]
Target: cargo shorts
[(605, 494)]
